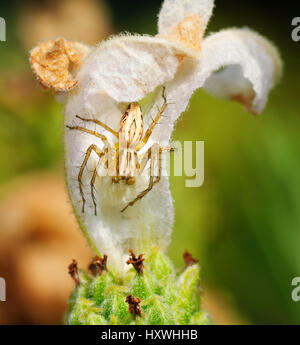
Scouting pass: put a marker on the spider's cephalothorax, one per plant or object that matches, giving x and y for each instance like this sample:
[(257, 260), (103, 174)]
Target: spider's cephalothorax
[(131, 139)]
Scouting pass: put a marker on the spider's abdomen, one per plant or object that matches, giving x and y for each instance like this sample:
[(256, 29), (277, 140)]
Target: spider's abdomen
[(127, 163), (131, 126)]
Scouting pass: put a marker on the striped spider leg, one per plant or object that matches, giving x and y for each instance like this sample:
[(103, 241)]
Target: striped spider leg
[(92, 148), (154, 151)]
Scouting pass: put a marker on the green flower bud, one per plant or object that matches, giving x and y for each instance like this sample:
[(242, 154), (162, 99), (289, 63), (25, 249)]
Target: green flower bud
[(155, 295)]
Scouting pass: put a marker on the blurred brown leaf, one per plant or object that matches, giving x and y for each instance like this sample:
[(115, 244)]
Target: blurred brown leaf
[(38, 238)]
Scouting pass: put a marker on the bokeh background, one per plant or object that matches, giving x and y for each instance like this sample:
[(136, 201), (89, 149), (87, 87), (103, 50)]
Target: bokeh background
[(243, 224)]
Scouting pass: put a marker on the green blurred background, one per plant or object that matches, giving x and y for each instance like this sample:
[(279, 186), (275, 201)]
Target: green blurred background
[(243, 224)]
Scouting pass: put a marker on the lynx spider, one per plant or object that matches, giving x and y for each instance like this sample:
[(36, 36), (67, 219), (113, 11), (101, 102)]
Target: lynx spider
[(131, 140)]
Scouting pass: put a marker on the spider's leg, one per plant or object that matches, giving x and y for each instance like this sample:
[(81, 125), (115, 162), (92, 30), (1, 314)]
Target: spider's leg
[(101, 155), (138, 166), (149, 155), (161, 149), (148, 133), (116, 134), (83, 165), (118, 162), (98, 135), (92, 190), (146, 156)]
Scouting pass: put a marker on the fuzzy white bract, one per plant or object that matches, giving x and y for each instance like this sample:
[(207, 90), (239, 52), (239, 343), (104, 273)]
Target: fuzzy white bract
[(235, 64)]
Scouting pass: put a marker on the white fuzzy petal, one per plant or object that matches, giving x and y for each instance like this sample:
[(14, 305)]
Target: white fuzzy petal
[(175, 11), (252, 67), (148, 223), (123, 69), (127, 68)]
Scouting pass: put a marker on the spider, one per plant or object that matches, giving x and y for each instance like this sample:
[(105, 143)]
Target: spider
[(131, 139)]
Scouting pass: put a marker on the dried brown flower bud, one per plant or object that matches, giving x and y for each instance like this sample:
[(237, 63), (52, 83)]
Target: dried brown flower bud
[(134, 307), (73, 271), (189, 260), (98, 265), (137, 263), (55, 61)]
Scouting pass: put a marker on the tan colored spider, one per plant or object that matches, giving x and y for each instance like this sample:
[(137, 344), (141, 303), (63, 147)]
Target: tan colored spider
[(131, 139)]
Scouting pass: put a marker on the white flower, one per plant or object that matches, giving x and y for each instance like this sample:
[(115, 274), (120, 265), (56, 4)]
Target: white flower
[(236, 64)]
